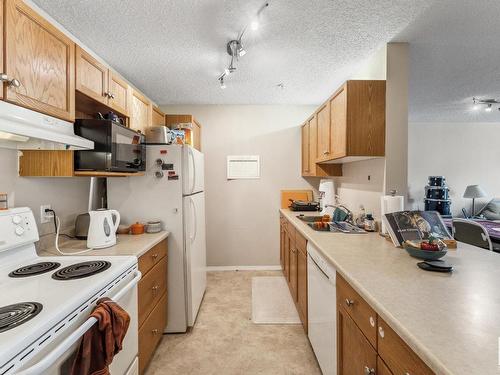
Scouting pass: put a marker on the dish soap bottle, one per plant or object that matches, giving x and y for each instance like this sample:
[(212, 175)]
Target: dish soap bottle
[(369, 223)]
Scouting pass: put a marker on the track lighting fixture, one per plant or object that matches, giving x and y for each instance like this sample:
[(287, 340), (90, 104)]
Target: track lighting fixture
[(235, 47), (487, 103)]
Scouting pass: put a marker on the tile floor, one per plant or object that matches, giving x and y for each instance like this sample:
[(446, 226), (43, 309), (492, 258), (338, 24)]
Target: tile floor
[(225, 341)]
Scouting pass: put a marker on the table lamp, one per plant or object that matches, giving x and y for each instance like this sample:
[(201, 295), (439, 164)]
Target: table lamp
[(473, 192)]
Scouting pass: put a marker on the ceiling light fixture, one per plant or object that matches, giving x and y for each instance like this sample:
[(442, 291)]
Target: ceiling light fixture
[(487, 103), (235, 48)]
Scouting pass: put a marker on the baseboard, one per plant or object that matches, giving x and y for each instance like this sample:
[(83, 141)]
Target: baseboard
[(243, 268)]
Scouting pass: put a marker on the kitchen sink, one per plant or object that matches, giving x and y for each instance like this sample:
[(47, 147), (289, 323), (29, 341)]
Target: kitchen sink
[(333, 226), (309, 219)]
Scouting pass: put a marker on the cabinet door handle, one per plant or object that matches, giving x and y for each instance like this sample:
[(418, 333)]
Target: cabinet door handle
[(155, 289), (154, 256), (326, 152), (154, 331), (11, 82), (381, 332), (369, 371), (111, 95), (372, 321), (349, 302)]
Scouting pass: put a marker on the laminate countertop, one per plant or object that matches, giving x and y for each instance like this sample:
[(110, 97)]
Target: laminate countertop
[(451, 320), (126, 244)]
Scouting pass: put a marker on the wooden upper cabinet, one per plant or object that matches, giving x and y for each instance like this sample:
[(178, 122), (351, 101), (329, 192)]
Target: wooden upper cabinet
[(91, 76), (140, 117), (323, 118), (309, 153), (174, 121), (158, 117), (196, 136), (42, 59), (305, 150), (357, 122), (338, 124), (119, 93)]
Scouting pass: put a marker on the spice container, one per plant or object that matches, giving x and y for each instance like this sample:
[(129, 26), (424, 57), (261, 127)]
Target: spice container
[(3, 201)]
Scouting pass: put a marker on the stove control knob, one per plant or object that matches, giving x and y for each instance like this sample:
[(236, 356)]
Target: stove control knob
[(19, 230), (17, 219)]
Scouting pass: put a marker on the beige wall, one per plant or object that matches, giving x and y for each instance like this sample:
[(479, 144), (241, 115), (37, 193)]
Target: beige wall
[(68, 196), (473, 159), (242, 215)]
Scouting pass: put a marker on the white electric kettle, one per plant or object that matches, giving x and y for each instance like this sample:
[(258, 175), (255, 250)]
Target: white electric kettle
[(102, 229)]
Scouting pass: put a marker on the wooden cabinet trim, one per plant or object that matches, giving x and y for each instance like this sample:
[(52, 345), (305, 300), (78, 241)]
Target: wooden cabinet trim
[(158, 117)]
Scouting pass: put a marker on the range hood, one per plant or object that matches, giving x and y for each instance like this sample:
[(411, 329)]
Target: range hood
[(21, 128)]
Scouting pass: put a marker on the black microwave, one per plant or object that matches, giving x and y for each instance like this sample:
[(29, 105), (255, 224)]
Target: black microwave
[(116, 147)]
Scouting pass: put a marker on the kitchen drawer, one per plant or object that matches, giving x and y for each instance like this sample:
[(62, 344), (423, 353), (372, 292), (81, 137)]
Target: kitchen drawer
[(151, 288), (396, 354), (300, 243), (151, 333), (359, 310), (152, 257)]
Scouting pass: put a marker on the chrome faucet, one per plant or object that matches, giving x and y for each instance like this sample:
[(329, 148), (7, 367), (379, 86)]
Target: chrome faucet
[(350, 216)]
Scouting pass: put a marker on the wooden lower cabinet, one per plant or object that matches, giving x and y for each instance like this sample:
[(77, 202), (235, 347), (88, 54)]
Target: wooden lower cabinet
[(152, 301), (398, 356), (294, 265), (293, 271), (302, 287), (355, 353), (361, 353), (150, 333), (382, 368)]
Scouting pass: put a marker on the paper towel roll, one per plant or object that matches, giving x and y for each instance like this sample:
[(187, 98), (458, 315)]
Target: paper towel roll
[(388, 204), (327, 188)]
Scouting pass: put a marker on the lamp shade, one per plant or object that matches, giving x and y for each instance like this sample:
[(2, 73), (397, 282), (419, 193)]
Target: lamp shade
[(474, 191)]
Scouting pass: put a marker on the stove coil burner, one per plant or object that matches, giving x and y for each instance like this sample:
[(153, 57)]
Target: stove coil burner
[(81, 270), (14, 315), (34, 269)]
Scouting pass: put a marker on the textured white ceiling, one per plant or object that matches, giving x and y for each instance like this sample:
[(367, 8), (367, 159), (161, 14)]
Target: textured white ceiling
[(455, 55), (175, 50)]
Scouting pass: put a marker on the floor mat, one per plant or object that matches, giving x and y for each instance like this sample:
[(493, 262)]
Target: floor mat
[(272, 302)]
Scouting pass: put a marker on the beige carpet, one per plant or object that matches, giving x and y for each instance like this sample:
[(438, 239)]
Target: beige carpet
[(225, 341), (272, 302)]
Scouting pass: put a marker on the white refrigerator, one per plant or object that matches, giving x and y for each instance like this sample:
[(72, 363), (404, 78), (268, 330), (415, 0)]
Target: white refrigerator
[(171, 191)]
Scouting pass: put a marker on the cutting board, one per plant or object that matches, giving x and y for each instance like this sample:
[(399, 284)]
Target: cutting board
[(296, 195)]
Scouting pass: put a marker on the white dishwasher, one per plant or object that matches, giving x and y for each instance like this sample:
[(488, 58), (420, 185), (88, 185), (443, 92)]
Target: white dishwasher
[(322, 310)]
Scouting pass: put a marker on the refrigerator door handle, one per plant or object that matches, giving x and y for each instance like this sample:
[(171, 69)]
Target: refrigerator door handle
[(193, 183), (193, 237)]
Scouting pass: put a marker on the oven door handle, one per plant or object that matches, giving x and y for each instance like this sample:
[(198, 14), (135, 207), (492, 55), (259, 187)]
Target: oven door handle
[(51, 357)]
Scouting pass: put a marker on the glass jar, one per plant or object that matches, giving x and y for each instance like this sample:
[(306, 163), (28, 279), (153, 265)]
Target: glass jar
[(369, 223)]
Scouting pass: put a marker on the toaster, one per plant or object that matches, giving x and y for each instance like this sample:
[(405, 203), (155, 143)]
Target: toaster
[(82, 224), (159, 135)]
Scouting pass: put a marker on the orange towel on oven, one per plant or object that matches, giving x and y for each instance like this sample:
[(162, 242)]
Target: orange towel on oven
[(103, 340)]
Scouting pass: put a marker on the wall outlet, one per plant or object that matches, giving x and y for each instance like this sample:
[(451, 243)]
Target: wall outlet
[(45, 217)]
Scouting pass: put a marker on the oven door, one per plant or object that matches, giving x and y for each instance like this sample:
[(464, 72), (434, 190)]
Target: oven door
[(58, 357), (128, 152)]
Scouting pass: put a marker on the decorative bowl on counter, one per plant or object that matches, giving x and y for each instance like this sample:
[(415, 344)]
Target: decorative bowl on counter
[(425, 254)]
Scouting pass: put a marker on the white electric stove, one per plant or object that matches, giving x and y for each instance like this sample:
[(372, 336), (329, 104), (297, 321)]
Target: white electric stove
[(45, 302)]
